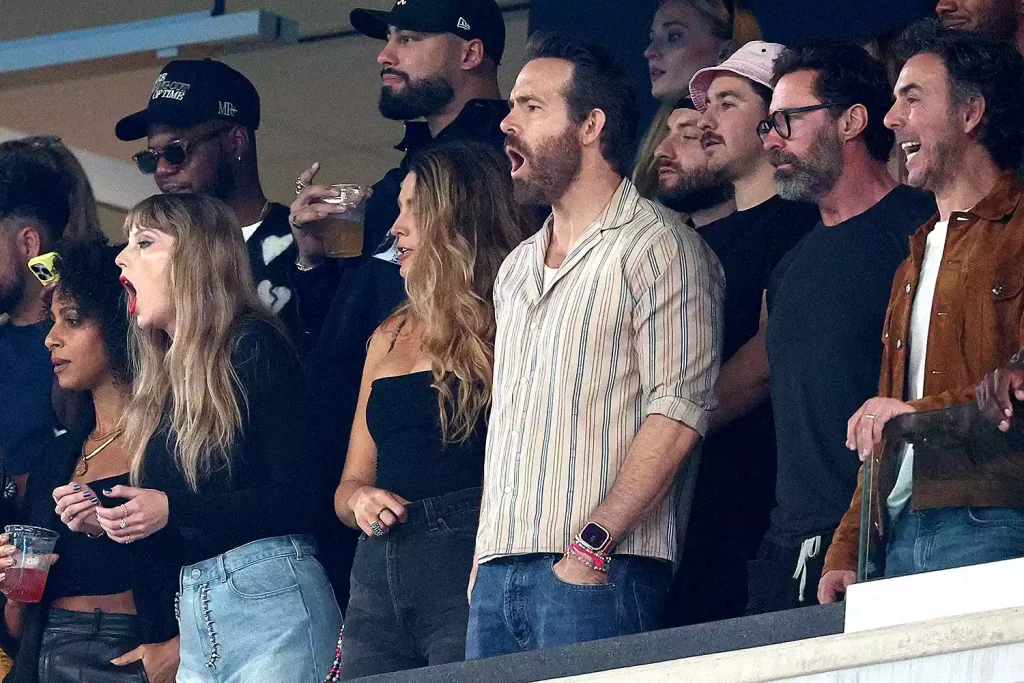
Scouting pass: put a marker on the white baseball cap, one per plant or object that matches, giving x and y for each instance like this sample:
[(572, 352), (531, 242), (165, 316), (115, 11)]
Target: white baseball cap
[(753, 61)]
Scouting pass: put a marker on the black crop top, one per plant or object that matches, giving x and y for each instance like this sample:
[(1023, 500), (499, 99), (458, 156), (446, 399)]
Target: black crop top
[(91, 566), (412, 458)]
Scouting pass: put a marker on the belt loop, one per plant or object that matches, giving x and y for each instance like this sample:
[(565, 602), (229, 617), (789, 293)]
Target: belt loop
[(429, 513), (97, 619), (222, 567), (297, 545)]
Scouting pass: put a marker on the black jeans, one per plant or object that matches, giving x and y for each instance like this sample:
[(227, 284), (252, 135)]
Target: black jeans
[(77, 648), (771, 584), (408, 604)]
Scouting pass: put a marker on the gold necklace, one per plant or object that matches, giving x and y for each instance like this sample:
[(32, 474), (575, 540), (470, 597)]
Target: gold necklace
[(83, 466)]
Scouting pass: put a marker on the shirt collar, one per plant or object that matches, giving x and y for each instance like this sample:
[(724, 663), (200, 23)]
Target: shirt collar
[(476, 115), (1001, 201)]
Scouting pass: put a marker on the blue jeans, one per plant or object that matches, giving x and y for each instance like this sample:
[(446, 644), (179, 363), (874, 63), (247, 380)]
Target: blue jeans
[(261, 613), (943, 538), (519, 604)]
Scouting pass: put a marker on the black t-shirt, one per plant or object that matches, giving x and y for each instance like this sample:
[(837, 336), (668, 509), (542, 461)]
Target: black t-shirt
[(26, 378), (749, 244), (826, 307)]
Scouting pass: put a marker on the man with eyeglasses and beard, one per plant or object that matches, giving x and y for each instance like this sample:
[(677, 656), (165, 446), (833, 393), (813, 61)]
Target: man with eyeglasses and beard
[(827, 299), (200, 127)]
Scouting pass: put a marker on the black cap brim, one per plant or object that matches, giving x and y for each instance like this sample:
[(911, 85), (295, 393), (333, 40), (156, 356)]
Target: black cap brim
[(136, 126), (370, 22)]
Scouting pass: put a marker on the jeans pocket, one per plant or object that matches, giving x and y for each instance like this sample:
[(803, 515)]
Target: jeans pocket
[(995, 516), (264, 578), (583, 587)]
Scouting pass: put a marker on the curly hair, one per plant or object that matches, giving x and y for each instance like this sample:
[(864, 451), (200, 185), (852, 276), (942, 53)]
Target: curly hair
[(90, 278), (978, 65)]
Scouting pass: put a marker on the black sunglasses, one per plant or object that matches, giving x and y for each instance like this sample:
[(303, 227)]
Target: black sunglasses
[(780, 122), (174, 152)]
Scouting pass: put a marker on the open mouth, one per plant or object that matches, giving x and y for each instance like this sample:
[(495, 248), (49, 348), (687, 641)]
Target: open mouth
[(517, 159), (130, 288), (403, 252), (656, 73), (910, 149)]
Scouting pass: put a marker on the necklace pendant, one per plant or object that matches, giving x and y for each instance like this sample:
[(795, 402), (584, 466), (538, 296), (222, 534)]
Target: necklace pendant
[(81, 468)]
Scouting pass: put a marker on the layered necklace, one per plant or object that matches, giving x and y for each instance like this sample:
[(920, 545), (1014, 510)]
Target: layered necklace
[(107, 439)]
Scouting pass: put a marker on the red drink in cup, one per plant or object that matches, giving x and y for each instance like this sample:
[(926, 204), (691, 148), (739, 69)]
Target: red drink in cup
[(26, 580)]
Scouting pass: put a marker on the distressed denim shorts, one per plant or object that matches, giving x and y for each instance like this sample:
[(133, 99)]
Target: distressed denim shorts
[(261, 613)]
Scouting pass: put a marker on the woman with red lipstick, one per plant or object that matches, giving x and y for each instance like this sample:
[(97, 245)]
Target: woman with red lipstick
[(96, 606), (221, 451), (415, 461)]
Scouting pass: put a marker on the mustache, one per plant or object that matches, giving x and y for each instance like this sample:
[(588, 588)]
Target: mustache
[(778, 157), (390, 71), (514, 143), (709, 138)]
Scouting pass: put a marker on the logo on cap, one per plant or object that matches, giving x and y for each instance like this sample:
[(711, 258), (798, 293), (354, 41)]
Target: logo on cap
[(226, 109), (170, 90), (463, 24), (400, 2)]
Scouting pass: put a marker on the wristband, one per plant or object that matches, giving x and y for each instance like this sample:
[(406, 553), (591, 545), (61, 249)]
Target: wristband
[(589, 558)]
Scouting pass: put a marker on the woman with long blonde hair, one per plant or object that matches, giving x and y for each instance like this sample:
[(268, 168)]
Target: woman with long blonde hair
[(221, 451), (414, 470)]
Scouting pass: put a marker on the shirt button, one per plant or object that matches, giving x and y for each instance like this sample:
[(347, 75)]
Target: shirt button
[(908, 288), (533, 326), (997, 290), (196, 573), (508, 489)]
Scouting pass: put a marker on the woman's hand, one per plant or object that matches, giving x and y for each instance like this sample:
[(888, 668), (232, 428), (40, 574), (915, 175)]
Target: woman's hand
[(144, 514), (160, 660), (376, 510), (7, 552), (76, 505)]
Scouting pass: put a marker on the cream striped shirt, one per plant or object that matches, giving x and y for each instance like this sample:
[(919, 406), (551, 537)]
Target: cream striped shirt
[(629, 325)]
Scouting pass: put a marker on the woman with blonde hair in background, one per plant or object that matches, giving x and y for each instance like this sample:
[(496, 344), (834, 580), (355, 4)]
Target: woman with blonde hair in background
[(221, 452), (416, 454), (686, 35)]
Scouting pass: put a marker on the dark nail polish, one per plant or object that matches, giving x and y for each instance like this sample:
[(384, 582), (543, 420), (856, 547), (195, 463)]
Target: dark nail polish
[(77, 487), (95, 501), (86, 495)]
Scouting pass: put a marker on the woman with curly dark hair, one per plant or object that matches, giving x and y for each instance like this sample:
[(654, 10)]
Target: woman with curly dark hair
[(100, 618)]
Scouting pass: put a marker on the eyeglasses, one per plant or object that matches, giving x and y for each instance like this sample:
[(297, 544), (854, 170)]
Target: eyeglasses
[(780, 121), (174, 152)]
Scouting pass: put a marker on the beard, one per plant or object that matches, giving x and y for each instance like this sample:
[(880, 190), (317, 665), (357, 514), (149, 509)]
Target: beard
[(810, 178), (554, 165), (419, 98), (695, 190), (945, 154)]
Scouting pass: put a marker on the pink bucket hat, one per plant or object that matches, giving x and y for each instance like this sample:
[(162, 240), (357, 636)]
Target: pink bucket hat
[(753, 61)]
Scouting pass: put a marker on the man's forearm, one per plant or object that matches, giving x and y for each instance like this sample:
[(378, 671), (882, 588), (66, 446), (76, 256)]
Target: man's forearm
[(742, 383), (646, 476)]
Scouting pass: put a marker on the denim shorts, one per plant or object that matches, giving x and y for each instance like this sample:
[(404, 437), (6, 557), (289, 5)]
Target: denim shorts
[(261, 613)]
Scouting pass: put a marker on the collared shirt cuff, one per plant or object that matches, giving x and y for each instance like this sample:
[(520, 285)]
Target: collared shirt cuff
[(682, 410)]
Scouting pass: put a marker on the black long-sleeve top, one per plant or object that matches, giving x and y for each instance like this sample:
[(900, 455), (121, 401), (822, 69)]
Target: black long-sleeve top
[(276, 484), (153, 563)]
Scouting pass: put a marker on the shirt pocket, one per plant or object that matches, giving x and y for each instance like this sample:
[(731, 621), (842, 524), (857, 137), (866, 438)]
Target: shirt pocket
[(995, 308)]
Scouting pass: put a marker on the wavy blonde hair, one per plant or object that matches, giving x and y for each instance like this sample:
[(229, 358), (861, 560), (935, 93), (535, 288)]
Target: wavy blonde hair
[(468, 223), (188, 385)]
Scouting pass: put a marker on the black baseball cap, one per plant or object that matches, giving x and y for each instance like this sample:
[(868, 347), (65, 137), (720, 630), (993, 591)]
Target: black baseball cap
[(191, 91), (467, 19)]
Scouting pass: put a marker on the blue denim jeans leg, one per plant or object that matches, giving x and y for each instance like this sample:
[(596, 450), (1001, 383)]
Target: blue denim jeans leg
[(261, 613), (944, 538), (519, 604)]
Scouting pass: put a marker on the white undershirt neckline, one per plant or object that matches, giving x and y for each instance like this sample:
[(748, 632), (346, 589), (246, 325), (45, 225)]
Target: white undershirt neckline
[(250, 230)]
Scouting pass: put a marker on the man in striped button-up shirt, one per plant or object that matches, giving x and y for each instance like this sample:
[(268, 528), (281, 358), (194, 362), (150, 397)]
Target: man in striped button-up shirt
[(607, 351)]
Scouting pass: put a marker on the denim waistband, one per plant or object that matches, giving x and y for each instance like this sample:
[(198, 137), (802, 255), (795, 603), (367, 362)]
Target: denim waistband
[(221, 567), (429, 510), (92, 623)]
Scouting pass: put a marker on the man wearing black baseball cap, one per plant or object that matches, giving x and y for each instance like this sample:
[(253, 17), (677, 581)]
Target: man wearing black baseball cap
[(200, 124)]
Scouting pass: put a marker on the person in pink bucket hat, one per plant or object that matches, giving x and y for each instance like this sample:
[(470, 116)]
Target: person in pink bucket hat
[(753, 61)]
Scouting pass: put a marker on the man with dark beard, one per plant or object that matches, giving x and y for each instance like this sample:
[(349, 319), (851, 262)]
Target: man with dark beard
[(33, 212), (606, 353), (685, 182), (827, 298), (734, 492), (200, 126), (1000, 18)]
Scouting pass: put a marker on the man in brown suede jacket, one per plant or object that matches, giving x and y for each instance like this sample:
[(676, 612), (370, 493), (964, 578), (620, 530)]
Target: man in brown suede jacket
[(956, 310)]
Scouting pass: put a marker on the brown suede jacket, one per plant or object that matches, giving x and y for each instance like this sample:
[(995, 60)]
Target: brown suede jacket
[(977, 325)]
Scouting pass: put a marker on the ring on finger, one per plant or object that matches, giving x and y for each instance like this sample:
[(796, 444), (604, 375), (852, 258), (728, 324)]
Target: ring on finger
[(870, 416), (300, 185), (124, 512), (377, 529), (122, 524), (292, 222)]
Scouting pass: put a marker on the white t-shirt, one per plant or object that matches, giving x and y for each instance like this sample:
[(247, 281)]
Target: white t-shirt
[(549, 275), (920, 322), (250, 230)]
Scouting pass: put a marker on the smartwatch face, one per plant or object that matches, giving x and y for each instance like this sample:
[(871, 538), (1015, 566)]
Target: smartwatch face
[(594, 536)]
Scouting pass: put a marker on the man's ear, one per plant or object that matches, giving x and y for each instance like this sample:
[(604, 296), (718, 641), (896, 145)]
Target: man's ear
[(472, 54), (28, 243), (593, 126)]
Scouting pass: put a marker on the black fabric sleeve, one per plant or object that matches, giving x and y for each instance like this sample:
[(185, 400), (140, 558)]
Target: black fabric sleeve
[(313, 291), (278, 482)]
